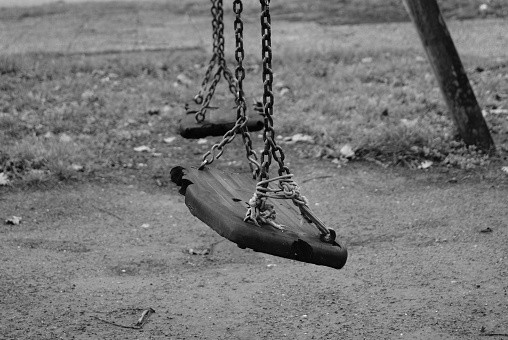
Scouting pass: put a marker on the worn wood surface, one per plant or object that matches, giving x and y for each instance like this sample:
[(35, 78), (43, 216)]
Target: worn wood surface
[(219, 199)]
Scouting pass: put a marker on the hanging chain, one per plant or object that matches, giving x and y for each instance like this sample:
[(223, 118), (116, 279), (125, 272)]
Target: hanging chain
[(218, 59), (228, 75), (242, 119), (198, 99), (260, 211), (240, 76), (271, 149)]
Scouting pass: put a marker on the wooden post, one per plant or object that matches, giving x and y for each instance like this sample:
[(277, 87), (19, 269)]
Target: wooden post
[(450, 73)]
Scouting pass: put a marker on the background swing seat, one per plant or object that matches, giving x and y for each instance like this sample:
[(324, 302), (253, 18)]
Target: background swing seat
[(219, 199), (219, 119)]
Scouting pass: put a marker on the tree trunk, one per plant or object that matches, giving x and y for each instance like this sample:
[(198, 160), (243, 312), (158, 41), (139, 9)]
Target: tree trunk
[(450, 73)]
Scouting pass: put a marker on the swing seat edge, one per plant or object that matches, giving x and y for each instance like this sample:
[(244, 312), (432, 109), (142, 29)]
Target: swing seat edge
[(224, 216)]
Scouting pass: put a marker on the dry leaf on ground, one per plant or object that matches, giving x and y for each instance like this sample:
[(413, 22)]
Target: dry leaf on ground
[(143, 148), (4, 180), (14, 220)]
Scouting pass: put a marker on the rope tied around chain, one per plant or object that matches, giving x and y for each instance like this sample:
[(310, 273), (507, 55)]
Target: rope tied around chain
[(260, 211)]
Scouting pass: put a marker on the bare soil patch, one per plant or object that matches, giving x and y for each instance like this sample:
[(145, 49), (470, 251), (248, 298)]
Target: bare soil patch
[(427, 260)]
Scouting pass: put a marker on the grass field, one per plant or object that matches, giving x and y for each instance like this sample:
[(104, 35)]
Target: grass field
[(82, 85)]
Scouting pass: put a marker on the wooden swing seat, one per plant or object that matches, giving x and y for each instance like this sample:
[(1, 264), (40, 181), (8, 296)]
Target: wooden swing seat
[(219, 119), (220, 198)]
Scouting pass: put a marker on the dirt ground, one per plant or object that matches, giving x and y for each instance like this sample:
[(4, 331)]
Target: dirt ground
[(427, 260), (427, 257)]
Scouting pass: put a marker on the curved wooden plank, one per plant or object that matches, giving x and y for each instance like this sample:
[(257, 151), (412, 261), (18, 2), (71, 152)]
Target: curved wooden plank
[(219, 199), (219, 119)]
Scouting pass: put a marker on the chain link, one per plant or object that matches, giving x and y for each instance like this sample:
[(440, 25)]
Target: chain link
[(198, 99), (271, 149), (240, 76), (242, 119), (217, 61)]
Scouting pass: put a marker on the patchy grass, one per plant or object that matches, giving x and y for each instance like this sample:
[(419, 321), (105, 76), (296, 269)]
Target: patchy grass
[(386, 104), (86, 111), (66, 116)]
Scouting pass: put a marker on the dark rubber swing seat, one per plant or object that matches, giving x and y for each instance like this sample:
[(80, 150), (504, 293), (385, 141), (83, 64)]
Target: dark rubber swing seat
[(219, 119), (220, 198)]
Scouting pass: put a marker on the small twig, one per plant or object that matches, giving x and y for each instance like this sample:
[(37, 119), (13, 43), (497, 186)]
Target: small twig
[(115, 324), (494, 334), (144, 317), (107, 212), (139, 325), (317, 177)]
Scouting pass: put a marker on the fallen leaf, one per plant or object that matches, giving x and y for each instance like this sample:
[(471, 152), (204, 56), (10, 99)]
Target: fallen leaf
[(425, 165), (65, 138), (504, 169), (169, 140), (142, 148), (299, 137), (409, 123), (77, 167), (145, 225), (14, 220), (347, 151), (205, 251), (87, 95), (284, 91), (4, 180)]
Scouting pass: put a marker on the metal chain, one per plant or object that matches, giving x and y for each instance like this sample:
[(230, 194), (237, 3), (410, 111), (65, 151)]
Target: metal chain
[(242, 119), (271, 149), (228, 75), (198, 99), (218, 59), (259, 210), (240, 76)]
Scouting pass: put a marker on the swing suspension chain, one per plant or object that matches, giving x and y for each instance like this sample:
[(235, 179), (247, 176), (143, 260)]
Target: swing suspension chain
[(218, 59), (228, 75), (242, 119), (271, 149), (240, 76), (259, 210), (198, 99)]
